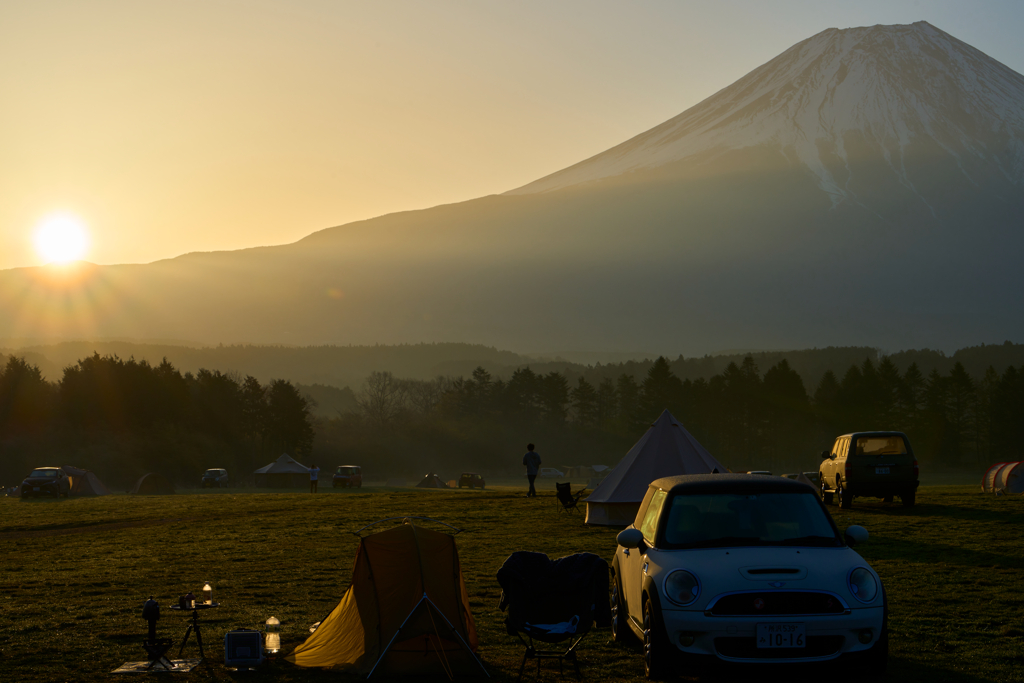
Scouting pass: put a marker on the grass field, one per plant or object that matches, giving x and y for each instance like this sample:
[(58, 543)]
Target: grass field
[(73, 576)]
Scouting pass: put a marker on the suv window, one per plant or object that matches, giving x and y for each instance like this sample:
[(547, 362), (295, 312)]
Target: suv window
[(881, 445), (649, 527)]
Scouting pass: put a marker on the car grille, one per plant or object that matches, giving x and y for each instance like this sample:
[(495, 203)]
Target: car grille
[(746, 648), (774, 603)]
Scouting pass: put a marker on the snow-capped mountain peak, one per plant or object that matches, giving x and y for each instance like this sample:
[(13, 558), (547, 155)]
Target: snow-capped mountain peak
[(879, 91)]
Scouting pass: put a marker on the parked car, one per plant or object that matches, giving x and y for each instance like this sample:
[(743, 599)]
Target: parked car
[(765, 473), (550, 472), (744, 569), (877, 464), (472, 480), (215, 478), (347, 476), (46, 481)]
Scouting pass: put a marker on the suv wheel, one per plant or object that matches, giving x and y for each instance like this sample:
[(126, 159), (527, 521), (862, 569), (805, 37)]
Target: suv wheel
[(826, 495), (909, 498), (844, 495), (655, 646)]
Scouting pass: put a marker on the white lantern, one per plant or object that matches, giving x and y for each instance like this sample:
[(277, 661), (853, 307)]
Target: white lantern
[(272, 643)]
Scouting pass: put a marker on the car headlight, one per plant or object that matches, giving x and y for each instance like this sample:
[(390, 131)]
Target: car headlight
[(863, 585), (682, 587)]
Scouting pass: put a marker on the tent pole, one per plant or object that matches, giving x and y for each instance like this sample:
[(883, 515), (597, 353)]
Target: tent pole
[(457, 635), (440, 614), (392, 641)]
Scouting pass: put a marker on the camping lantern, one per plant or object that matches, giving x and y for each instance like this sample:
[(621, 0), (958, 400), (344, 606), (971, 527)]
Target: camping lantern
[(208, 593), (272, 643)]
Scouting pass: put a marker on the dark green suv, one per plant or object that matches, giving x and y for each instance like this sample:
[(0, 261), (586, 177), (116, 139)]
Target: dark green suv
[(875, 464)]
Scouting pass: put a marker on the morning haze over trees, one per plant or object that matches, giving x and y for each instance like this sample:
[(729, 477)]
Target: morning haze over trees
[(757, 411)]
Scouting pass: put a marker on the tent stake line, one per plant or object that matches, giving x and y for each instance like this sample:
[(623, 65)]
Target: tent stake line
[(451, 628)]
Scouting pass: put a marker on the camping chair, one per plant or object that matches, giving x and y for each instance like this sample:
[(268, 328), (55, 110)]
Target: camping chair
[(553, 601), (567, 500)]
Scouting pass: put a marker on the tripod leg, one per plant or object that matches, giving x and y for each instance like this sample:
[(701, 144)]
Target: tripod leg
[(199, 639), (184, 640)]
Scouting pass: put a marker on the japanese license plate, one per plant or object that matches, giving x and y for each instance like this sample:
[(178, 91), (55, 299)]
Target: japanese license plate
[(781, 635), (881, 470), (35, 488)]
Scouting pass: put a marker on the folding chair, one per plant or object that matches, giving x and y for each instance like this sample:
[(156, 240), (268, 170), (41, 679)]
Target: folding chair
[(567, 500), (553, 602)]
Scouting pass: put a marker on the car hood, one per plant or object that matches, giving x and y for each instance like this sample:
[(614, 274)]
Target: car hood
[(36, 481), (728, 570)]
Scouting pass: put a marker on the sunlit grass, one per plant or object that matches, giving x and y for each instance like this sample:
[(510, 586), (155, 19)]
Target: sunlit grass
[(75, 573)]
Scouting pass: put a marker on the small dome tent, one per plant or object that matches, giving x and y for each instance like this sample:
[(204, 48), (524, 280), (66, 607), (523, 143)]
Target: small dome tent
[(152, 484), (284, 473), (665, 450), (431, 481), (406, 610), (988, 482), (84, 482), (1010, 478)]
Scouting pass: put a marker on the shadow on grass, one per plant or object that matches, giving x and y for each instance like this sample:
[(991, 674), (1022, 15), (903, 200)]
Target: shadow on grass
[(899, 670), (886, 549), (896, 511)]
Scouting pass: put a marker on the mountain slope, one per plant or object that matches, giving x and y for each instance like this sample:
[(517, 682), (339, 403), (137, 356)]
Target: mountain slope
[(863, 188), (890, 92)]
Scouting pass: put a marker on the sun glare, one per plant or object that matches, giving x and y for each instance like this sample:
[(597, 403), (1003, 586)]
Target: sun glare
[(60, 239)]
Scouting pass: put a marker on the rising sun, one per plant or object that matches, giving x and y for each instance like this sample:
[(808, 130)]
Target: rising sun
[(61, 238)]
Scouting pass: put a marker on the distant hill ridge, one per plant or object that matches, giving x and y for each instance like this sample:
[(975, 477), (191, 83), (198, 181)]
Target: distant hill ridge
[(339, 367)]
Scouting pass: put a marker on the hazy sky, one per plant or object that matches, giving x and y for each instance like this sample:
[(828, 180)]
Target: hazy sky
[(170, 127)]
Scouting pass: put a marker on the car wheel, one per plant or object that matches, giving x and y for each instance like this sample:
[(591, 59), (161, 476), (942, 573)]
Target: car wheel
[(655, 645), (844, 495), (909, 498), (620, 629), (826, 496)]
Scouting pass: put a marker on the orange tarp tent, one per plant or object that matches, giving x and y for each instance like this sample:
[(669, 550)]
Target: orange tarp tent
[(406, 611)]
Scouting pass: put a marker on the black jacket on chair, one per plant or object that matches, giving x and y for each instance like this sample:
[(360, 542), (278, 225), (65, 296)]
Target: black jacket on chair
[(540, 591)]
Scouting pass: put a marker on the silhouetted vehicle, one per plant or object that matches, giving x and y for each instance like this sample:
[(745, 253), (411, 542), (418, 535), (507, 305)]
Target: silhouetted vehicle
[(46, 481), (762, 472), (550, 472), (745, 569), (347, 476), (875, 464), (215, 478), (472, 480)]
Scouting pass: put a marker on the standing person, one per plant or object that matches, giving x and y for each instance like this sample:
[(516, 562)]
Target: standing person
[(314, 473), (532, 462)]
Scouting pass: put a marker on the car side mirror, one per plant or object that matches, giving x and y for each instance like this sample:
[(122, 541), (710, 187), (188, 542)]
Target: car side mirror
[(825, 454), (630, 538), (856, 534)]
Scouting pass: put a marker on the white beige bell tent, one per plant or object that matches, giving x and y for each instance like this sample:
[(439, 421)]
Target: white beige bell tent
[(284, 473), (405, 612), (666, 450), (1007, 477)]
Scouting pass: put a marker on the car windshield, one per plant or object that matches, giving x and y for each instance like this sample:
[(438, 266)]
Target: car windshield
[(710, 520), (43, 473), (881, 445), (346, 470), (214, 473)]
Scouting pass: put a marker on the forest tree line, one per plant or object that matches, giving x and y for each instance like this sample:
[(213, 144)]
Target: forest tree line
[(746, 418), (131, 417)]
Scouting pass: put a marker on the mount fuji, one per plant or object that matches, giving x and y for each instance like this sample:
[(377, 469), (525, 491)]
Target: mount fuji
[(865, 187)]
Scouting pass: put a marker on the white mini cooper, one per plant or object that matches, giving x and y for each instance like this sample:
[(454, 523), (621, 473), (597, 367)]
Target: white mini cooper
[(746, 568)]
